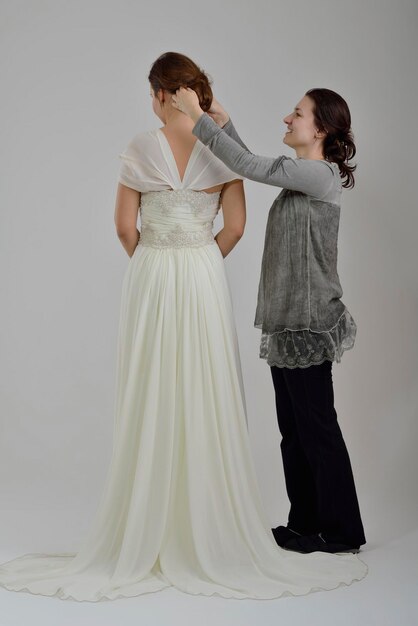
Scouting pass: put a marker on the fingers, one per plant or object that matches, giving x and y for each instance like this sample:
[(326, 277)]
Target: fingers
[(184, 99), (180, 89), (177, 97)]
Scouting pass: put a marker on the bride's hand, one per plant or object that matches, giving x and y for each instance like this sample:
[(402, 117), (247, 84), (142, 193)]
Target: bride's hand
[(186, 100), (218, 113)]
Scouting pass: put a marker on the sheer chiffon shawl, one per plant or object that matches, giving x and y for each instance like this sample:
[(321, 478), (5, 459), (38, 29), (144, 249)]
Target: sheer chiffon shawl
[(148, 164)]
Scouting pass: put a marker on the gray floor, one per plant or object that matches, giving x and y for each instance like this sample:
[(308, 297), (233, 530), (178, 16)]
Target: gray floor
[(387, 596)]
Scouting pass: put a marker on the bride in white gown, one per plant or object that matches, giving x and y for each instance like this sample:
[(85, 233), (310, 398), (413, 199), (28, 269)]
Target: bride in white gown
[(181, 506)]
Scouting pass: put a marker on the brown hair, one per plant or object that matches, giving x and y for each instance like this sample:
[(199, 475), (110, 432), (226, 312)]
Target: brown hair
[(173, 70), (332, 115)]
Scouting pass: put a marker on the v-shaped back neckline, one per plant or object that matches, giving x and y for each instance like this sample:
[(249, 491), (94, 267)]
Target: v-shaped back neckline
[(169, 154)]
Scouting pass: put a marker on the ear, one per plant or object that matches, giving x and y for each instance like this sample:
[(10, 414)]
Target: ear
[(320, 134)]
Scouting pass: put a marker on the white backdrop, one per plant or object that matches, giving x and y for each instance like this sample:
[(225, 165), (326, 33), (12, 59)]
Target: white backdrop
[(75, 90)]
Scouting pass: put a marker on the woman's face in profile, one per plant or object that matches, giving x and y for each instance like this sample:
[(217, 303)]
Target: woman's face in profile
[(300, 124)]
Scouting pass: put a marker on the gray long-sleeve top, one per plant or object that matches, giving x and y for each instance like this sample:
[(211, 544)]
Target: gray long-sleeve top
[(299, 307)]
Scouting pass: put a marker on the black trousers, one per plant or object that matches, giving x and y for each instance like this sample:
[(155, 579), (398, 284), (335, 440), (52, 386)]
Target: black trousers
[(317, 468)]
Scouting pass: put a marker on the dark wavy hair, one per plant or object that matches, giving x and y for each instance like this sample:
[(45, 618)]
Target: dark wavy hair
[(332, 115), (173, 70)]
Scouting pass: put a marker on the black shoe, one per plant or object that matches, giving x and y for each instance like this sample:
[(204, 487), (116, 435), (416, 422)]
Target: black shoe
[(316, 543), (282, 534)]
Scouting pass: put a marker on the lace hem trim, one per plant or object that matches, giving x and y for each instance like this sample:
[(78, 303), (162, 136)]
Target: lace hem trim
[(302, 348)]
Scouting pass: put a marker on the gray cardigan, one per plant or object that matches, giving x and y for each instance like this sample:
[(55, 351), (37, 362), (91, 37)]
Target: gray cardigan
[(299, 286)]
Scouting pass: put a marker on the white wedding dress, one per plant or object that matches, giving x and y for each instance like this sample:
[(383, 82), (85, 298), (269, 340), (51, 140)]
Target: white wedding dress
[(181, 506)]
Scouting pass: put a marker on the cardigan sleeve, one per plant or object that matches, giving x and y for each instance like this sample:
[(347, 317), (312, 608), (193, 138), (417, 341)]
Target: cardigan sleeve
[(231, 131), (310, 176)]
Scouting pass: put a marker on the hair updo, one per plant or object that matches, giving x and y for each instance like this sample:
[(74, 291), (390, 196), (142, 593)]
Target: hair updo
[(332, 115), (173, 70)]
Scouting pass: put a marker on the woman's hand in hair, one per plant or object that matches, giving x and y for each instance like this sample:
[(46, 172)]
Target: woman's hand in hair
[(187, 101), (218, 113)]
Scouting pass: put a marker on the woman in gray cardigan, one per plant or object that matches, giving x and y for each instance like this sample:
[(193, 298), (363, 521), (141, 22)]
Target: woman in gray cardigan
[(305, 325)]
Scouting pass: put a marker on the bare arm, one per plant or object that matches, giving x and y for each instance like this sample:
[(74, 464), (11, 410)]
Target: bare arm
[(234, 216), (126, 216)]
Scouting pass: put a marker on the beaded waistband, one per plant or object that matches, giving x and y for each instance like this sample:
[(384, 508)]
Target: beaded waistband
[(177, 237)]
